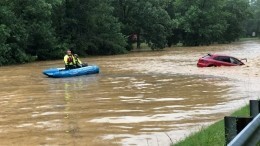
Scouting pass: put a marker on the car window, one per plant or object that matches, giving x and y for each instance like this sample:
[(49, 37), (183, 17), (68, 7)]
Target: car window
[(223, 58), (234, 60), (207, 56)]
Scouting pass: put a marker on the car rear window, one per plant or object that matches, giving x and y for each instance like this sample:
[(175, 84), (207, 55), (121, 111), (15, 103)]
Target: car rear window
[(207, 56)]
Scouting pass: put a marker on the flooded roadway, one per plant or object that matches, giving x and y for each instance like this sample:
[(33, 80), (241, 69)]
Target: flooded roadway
[(138, 99)]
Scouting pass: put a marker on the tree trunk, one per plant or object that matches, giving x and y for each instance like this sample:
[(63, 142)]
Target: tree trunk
[(138, 41), (258, 29)]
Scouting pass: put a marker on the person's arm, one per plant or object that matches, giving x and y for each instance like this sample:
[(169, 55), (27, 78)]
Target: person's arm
[(79, 62), (66, 59)]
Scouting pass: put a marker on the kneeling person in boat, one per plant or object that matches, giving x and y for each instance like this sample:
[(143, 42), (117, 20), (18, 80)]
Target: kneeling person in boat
[(69, 60), (78, 62)]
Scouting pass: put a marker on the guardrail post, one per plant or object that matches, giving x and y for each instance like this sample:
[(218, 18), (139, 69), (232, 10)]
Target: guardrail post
[(254, 108), (249, 136), (233, 125)]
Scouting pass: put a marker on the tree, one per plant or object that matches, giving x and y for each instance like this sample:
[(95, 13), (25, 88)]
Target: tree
[(199, 22), (89, 27), (253, 23), (237, 12), (36, 17), (147, 19), (13, 36), (26, 31)]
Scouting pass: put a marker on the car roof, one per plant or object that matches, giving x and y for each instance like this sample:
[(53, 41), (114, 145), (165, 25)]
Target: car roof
[(215, 55)]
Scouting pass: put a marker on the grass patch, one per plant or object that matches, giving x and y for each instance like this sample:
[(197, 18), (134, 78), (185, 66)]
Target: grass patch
[(143, 47), (249, 39), (213, 135)]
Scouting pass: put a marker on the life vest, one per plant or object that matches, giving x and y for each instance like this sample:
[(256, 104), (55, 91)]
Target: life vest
[(70, 59)]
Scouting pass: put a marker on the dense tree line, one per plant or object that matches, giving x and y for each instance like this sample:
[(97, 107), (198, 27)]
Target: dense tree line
[(44, 29), (252, 25)]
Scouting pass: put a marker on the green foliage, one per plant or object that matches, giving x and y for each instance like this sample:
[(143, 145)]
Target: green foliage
[(253, 23), (26, 31), (203, 22), (44, 29), (89, 27), (147, 19), (12, 36), (237, 11)]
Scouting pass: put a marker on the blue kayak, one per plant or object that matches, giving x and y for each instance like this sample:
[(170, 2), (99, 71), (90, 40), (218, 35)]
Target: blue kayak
[(62, 73)]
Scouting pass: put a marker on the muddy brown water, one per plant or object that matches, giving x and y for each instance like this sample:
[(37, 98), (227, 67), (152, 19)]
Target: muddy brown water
[(139, 99)]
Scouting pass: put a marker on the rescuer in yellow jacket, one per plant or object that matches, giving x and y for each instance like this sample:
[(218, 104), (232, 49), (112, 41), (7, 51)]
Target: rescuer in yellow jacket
[(78, 62), (69, 60)]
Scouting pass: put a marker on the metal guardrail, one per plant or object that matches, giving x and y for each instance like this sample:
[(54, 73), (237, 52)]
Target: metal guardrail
[(250, 135), (241, 131)]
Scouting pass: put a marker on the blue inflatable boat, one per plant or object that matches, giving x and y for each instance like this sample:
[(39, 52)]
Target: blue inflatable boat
[(62, 73)]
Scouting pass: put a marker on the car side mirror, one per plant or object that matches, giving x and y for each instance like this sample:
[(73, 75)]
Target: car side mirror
[(244, 59)]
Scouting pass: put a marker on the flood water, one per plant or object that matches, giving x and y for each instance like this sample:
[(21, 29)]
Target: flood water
[(141, 98)]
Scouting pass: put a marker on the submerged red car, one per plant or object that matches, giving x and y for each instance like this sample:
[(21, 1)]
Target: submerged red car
[(211, 60)]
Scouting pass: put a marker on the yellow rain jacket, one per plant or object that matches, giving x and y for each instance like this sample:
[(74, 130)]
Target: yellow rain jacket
[(78, 62), (69, 60)]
